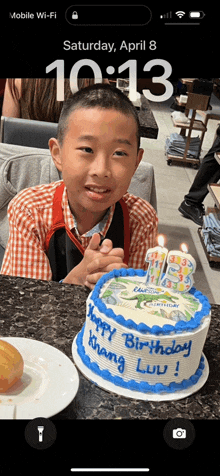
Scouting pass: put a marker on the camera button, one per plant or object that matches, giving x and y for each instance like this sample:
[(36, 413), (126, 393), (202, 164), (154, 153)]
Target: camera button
[(179, 433)]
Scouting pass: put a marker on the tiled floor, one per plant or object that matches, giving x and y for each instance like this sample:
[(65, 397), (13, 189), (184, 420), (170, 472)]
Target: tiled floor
[(172, 183)]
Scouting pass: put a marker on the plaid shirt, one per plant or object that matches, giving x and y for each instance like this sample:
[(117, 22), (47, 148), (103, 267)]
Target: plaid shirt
[(30, 218)]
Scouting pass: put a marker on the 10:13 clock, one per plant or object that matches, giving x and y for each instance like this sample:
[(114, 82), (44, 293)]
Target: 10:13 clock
[(131, 65)]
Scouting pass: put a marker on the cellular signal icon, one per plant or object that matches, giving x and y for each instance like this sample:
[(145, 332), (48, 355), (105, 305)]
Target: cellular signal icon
[(166, 15), (180, 14)]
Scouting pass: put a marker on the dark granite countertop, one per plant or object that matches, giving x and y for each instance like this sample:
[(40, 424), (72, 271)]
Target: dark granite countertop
[(54, 313)]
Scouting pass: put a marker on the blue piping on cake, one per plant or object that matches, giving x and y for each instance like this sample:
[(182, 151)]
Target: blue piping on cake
[(143, 387)]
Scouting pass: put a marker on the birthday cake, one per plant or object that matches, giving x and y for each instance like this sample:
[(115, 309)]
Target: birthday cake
[(143, 338)]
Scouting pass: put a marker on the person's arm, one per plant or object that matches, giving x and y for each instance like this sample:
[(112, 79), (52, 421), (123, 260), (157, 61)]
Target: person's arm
[(11, 106)]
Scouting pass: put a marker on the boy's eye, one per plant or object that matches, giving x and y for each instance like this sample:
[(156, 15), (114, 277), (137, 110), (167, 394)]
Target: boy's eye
[(88, 150), (120, 153)]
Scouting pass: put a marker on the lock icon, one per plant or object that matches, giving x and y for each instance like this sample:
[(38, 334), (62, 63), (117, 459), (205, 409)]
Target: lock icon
[(75, 16)]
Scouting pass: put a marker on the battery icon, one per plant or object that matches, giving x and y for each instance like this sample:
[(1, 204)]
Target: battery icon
[(197, 15)]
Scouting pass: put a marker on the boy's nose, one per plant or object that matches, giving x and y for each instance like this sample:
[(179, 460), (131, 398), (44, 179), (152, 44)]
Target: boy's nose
[(100, 166)]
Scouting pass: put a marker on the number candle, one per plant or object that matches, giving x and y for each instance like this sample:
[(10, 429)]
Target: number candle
[(156, 257), (181, 266)]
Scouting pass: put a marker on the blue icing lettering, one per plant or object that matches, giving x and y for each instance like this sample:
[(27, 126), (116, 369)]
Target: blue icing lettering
[(140, 386), (175, 349), (121, 361), (101, 324), (187, 347), (156, 369), (90, 313), (161, 372), (129, 341), (155, 347), (108, 355)]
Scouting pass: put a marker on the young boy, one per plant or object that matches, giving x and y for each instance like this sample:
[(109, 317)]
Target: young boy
[(57, 230)]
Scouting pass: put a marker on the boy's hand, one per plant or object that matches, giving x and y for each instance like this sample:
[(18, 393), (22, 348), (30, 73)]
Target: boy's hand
[(97, 261), (109, 258)]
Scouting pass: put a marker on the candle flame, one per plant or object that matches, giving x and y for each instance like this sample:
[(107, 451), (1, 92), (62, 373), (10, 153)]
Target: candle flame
[(184, 247), (161, 240)]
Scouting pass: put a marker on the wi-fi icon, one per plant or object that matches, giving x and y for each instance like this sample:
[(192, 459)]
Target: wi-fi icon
[(180, 14)]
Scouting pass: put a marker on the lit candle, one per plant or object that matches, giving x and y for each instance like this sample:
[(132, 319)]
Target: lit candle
[(180, 269), (156, 257)]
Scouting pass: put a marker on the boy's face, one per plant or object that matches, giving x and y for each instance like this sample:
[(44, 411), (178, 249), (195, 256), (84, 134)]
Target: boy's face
[(98, 159)]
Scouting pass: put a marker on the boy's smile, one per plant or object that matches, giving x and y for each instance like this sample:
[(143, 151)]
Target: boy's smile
[(98, 159)]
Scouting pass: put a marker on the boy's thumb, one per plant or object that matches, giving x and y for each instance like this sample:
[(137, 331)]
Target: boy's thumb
[(94, 242)]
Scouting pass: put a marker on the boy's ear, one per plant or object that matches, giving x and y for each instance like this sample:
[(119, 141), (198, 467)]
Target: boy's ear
[(139, 158), (55, 153)]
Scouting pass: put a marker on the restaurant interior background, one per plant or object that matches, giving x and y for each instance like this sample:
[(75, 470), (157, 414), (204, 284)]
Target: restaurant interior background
[(170, 178), (173, 181)]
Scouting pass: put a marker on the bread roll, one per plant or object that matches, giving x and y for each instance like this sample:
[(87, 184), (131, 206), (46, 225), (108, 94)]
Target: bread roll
[(11, 366)]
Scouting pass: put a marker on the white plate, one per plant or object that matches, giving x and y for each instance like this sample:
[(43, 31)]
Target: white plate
[(110, 387), (49, 383)]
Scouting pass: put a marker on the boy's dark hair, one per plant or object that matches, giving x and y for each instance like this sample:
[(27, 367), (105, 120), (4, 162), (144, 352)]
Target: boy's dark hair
[(98, 95)]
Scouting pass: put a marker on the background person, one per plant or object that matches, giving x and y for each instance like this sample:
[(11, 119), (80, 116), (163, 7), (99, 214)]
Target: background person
[(35, 98), (209, 172)]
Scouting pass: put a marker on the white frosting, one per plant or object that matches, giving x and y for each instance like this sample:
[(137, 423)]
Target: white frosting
[(140, 354), (134, 341)]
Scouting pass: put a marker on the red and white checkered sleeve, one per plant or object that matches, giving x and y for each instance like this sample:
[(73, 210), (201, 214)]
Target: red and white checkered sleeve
[(24, 254), (143, 223)]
